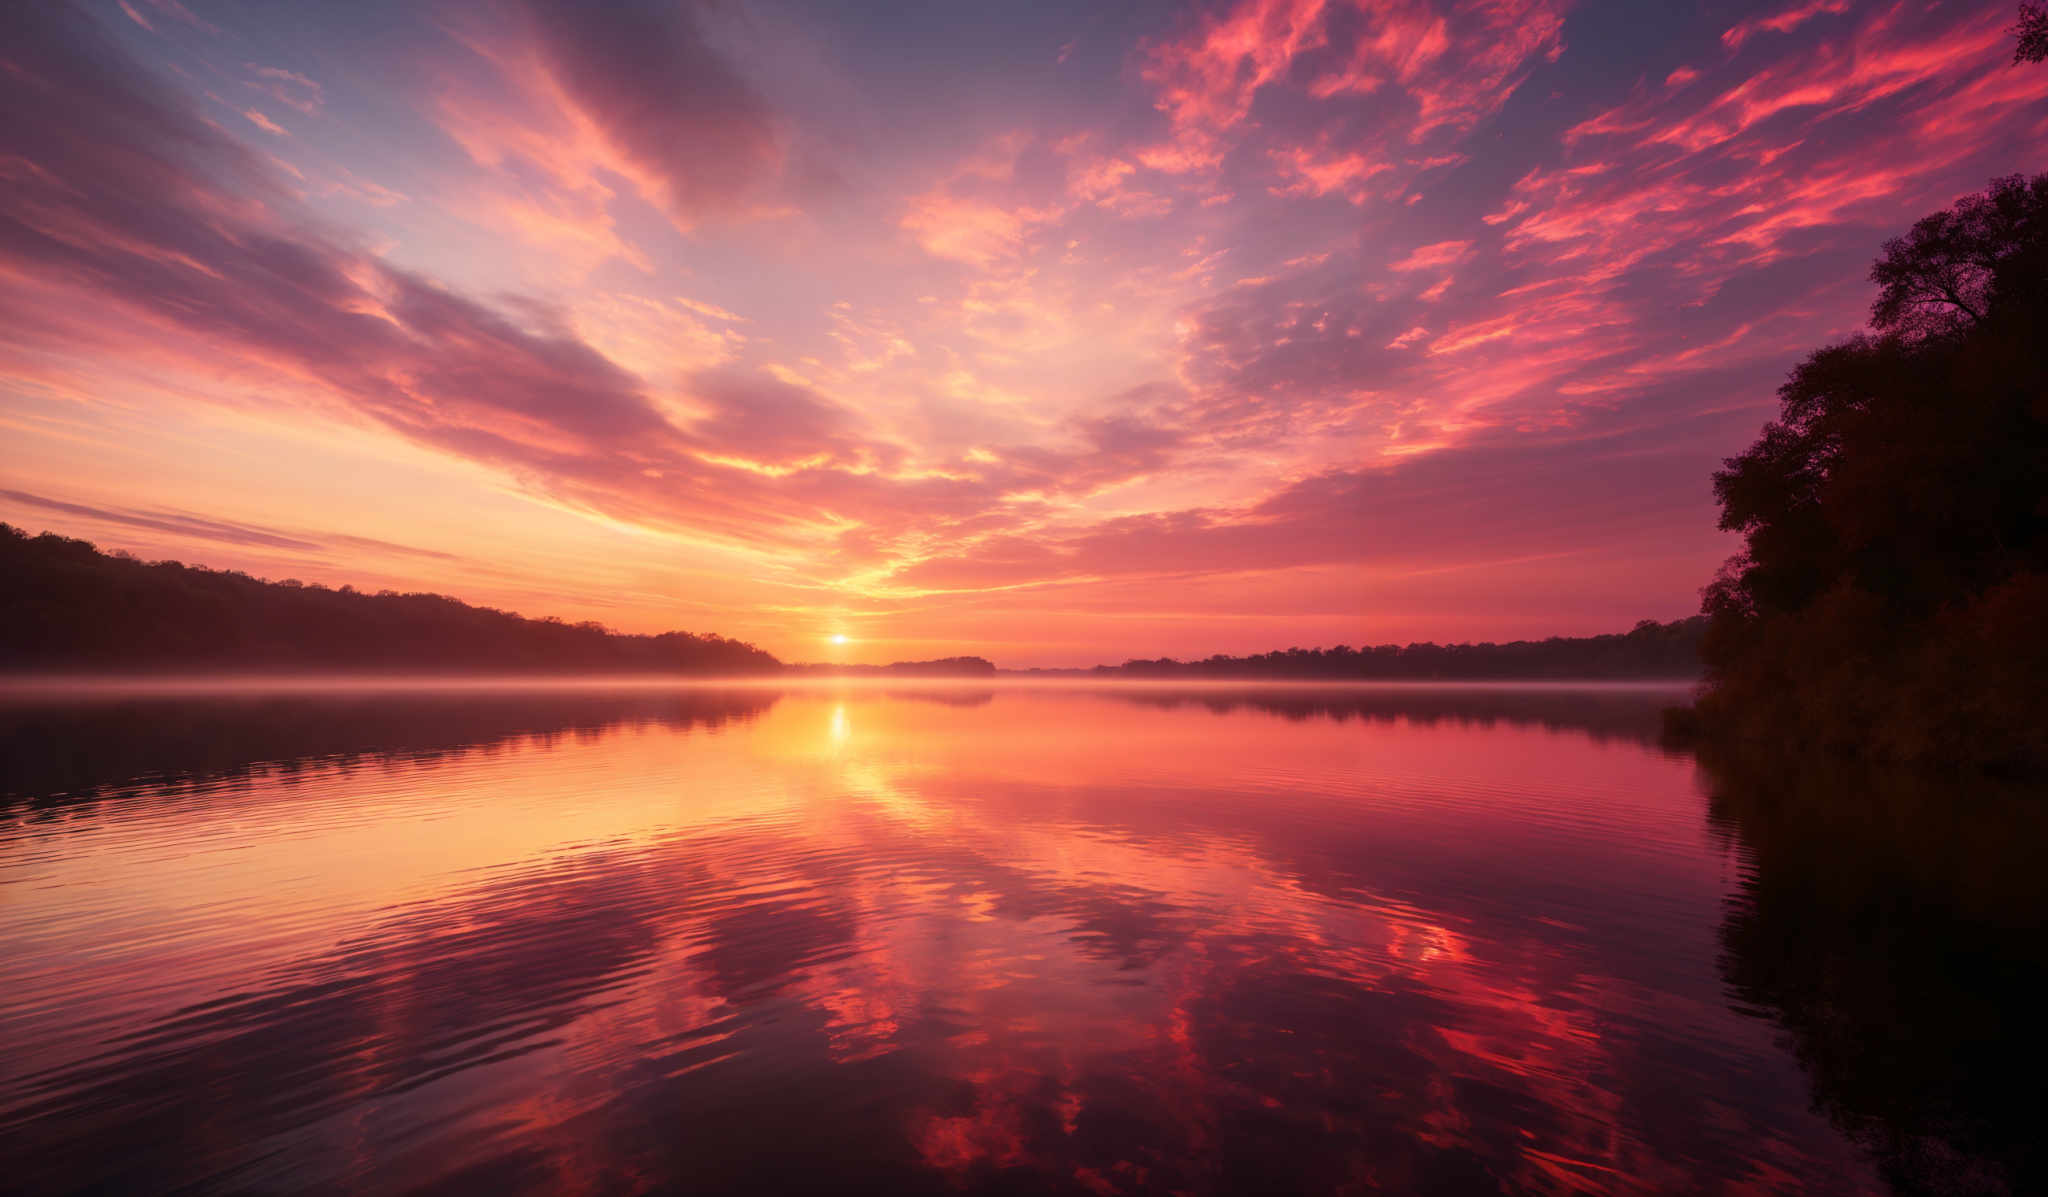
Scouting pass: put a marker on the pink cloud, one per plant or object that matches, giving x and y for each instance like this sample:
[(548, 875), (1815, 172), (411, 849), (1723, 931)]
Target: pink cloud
[(1273, 303), (1206, 78), (1425, 72), (1731, 174), (639, 92), (288, 88), (977, 232), (1322, 173), (1781, 22), (1433, 257), (265, 123)]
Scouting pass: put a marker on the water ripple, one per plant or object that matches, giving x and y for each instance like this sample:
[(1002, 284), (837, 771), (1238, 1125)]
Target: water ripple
[(1045, 942)]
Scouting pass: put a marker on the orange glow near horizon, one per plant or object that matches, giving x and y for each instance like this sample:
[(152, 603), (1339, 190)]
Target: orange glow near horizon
[(1262, 323)]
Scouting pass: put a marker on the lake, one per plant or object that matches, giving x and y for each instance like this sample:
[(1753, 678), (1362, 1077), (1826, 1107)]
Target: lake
[(1019, 939)]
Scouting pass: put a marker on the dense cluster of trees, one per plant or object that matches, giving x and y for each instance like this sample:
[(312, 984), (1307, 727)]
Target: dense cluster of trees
[(64, 605), (1889, 599), (1651, 650), (2031, 34)]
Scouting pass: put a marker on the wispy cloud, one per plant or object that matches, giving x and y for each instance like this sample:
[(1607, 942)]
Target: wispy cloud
[(1302, 288), (187, 526)]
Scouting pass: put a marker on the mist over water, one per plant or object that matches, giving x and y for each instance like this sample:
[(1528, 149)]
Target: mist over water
[(933, 938)]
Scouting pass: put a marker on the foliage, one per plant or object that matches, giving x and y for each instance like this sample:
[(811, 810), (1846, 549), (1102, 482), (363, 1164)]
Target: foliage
[(2031, 33), (1896, 513), (1946, 274), (1651, 650), (65, 605)]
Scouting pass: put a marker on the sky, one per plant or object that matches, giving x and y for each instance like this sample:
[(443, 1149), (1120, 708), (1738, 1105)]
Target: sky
[(1055, 333)]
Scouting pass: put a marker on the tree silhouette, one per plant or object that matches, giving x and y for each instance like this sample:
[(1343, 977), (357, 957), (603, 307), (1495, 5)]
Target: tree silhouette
[(1941, 276), (1649, 650), (1895, 515), (2031, 30), (64, 605)]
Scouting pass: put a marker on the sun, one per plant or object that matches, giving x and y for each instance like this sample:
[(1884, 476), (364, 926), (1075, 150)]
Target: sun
[(837, 637)]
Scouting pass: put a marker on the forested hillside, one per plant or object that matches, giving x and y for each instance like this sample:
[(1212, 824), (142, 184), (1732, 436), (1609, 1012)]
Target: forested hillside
[(66, 606)]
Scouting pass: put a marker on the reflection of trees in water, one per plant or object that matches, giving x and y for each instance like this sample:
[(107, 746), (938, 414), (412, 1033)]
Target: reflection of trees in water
[(52, 750), (1892, 926), (56, 749), (1603, 713)]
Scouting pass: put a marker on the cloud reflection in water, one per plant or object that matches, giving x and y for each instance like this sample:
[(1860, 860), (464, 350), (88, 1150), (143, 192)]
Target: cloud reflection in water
[(1056, 941)]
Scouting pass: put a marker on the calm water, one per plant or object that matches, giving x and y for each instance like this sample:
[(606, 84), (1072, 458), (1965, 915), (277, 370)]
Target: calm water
[(1085, 941)]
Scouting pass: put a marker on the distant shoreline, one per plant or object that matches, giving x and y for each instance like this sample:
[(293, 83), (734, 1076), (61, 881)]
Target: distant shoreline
[(67, 609), (30, 684)]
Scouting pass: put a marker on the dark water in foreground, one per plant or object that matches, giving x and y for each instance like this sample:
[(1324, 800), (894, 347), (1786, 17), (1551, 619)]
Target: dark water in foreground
[(1084, 941)]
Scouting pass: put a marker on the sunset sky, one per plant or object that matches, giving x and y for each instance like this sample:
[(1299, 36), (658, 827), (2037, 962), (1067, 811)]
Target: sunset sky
[(1056, 333)]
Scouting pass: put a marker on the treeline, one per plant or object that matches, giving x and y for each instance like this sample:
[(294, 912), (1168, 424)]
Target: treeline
[(67, 607), (1650, 650), (64, 605)]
